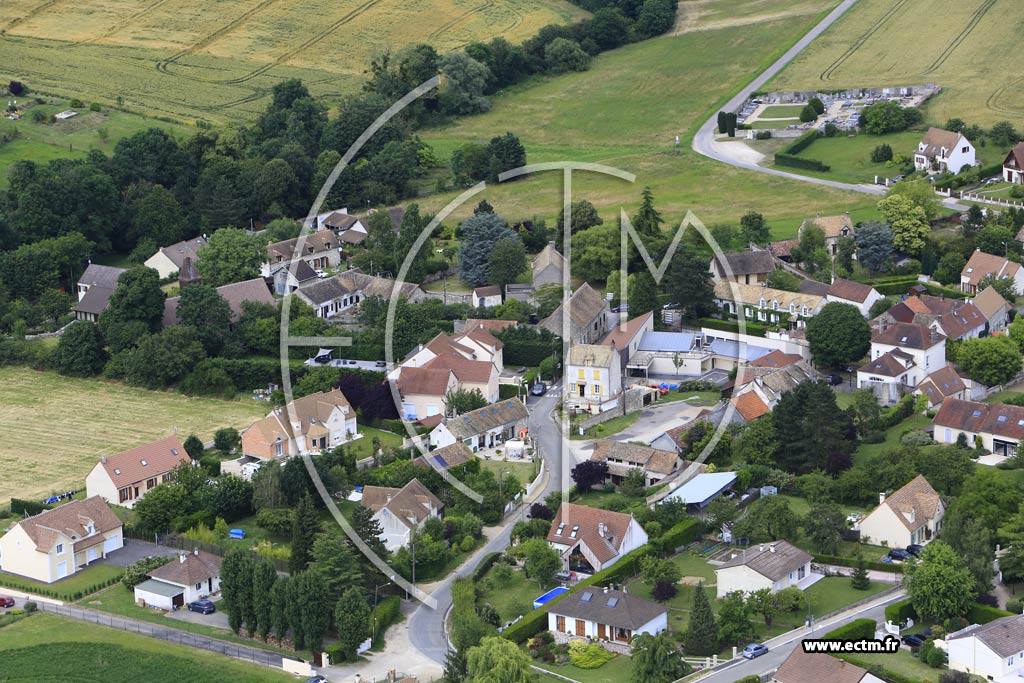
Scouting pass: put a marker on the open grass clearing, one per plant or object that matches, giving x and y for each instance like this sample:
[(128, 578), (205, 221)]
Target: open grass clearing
[(363, 448), (868, 47), (781, 111), (53, 429), (512, 598), (834, 593), (524, 472), (45, 647), (612, 426), (902, 662), (892, 438), (672, 83)]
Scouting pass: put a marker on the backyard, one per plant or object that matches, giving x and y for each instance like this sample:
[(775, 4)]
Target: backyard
[(44, 647), (50, 436)]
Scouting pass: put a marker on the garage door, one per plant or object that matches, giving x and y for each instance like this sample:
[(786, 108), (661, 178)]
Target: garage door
[(62, 570), (92, 553), (111, 544)]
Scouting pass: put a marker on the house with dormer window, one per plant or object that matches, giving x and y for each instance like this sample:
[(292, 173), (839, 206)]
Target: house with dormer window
[(486, 427), (1013, 165), (943, 150), (310, 424), (123, 478), (57, 543), (996, 427), (767, 306), (590, 539), (910, 516)]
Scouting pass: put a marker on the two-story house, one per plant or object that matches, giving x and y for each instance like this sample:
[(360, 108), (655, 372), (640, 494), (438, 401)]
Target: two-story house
[(186, 578), (1013, 165), (310, 424), (982, 265), (424, 392), (57, 543), (744, 267), (834, 227), (996, 427), (994, 307), (591, 539), (95, 288), (759, 304), (400, 511), (943, 150), (594, 376), (588, 318), (910, 516), (124, 478), (902, 354), (623, 458), (955, 318)]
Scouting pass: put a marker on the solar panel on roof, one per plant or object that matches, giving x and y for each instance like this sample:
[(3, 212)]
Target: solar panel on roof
[(1001, 418)]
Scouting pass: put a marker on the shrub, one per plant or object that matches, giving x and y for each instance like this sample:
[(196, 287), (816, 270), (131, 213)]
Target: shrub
[(763, 135), (982, 614), (1015, 606), (935, 658), (801, 143), (138, 571), (830, 130), (26, 508), (678, 536), (484, 566), (388, 612), (782, 159), (76, 104), (881, 153), (588, 655), (94, 106), (858, 629), (916, 437), (808, 114), (31, 606), (898, 612)]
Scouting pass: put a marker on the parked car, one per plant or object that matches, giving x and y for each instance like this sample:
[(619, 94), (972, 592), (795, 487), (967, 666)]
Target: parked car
[(834, 380), (381, 364), (898, 178), (6, 601), (754, 650), (202, 606), (899, 555), (539, 389), (316, 679), (912, 640), (915, 549)]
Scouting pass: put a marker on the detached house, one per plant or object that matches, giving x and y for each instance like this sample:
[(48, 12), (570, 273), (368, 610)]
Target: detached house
[(994, 307), (943, 150), (594, 377), (95, 287), (186, 578), (766, 305), (400, 511), (981, 265), (612, 618), (588, 316), (806, 667), (942, 384), (993, 651), (319, 251), (774, 566), (486, 427), (625, 338), (309, 424), (548, 267), (424, 392), (910, 516), (58, 542), (854, 293), (955, 318), (591, 539), (902, 355), (834, 227), (235, 294), (124, 478), (1013, 165), (745, 267), (997, 427), (487, 297), (332, 296), (623, 458), (168, 260)]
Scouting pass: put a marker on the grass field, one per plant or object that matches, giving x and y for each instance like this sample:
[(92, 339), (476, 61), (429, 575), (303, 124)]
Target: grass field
[(626, 111), (907, 42), (72, 138), (53, 429), (191, 59), (781, 111), (616, 671), (45, 647)]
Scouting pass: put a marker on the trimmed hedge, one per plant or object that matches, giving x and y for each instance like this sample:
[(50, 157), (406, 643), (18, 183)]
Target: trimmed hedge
[(852, 562), (801, 162), (801, 143), (679, 535), (26, 508), (893, 287), (899, 612), (485, 566), (880, 671), (982, 614), (537, 620), (389, 611), (753, 329), (14, 582), (858, 629)]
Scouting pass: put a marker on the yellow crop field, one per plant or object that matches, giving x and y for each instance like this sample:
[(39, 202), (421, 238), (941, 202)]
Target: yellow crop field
[(216, 60), (965, 47), (53, 429)]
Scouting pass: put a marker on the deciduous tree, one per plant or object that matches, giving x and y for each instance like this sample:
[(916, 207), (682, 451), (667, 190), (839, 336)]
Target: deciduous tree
[(940, 586), (838, 335), (656, 659)]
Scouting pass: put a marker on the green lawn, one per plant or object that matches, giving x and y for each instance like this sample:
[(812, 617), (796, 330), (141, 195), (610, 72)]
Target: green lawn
[(782, 111), (901, 662), (697, 398), (511, 598), (612, 426), (80, 581), (44, 647), (119, 600), (892, 438), (674, 83), (617, 670), (834, 592), (523, 471), (363, 448)]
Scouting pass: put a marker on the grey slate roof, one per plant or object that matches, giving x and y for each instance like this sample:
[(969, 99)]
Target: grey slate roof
[(614, 608), (325, 290), (95, 300), (746, 262), (773, 565), (482, 419), (1003, 636), (104, 276)]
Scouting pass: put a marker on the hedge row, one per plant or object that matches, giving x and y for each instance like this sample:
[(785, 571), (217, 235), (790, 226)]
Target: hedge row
[(678, 536), (898, 612), (801, 143), (389, 611), (961, 179), (753, 329), (982, 614), (858, 629), (67, 596), (852, 562), (537, 620), (26, 508), (880, 671), (485, 566), (801, 162), (894, 287)]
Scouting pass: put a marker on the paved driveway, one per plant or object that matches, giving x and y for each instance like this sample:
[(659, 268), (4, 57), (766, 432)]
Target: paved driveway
[(136, 550), (218, 619)]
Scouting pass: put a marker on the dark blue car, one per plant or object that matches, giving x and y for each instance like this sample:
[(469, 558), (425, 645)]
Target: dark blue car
[(202, 606)]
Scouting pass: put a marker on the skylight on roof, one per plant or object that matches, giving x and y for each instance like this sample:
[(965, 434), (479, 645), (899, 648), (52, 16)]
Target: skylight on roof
[(612, 602), (587, 596), (174, 451), (575, 531), (561, 527), (976, 413), (144, 463), (117, 471), (903, 340), (1001, 418)]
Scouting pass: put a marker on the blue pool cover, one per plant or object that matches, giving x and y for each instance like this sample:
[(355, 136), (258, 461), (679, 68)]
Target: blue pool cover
[(549, 596)]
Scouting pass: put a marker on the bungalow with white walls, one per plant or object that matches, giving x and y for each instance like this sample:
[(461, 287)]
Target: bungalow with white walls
[(487, 296), (993, 651), (775, 565), (186, 578), (854, 293), (612, 618), (486, 427)]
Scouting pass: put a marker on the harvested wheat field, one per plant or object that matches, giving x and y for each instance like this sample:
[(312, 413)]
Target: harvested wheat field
[(53, 429), (216, 61)]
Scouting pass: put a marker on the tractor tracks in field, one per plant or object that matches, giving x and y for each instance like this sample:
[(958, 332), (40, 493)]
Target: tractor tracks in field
[(452, 23), (38, 9), (993, 103), (826, 75), (975, 19), (121, 25)]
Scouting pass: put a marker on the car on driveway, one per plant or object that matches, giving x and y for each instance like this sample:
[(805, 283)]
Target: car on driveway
[(539, 389), (754, 650), (915, 549), (202, 606), (6, 601), (899, 555), (316, 679), (912, 640)]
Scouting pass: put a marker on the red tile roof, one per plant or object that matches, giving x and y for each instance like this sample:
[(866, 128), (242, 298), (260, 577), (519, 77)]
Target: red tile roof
[(581, 524), (750, 406), (145, 462)]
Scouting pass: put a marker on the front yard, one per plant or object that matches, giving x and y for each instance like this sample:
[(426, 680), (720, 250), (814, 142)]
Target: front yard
[(612, 426), (511, 598), (617, 670), (73, 587)]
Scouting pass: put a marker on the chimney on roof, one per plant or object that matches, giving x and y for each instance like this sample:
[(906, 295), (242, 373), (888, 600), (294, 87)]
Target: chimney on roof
[(881, 497), (761, 547), (771, 548), (606, 590), (103, 458), (195, 551), (181, 558)]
